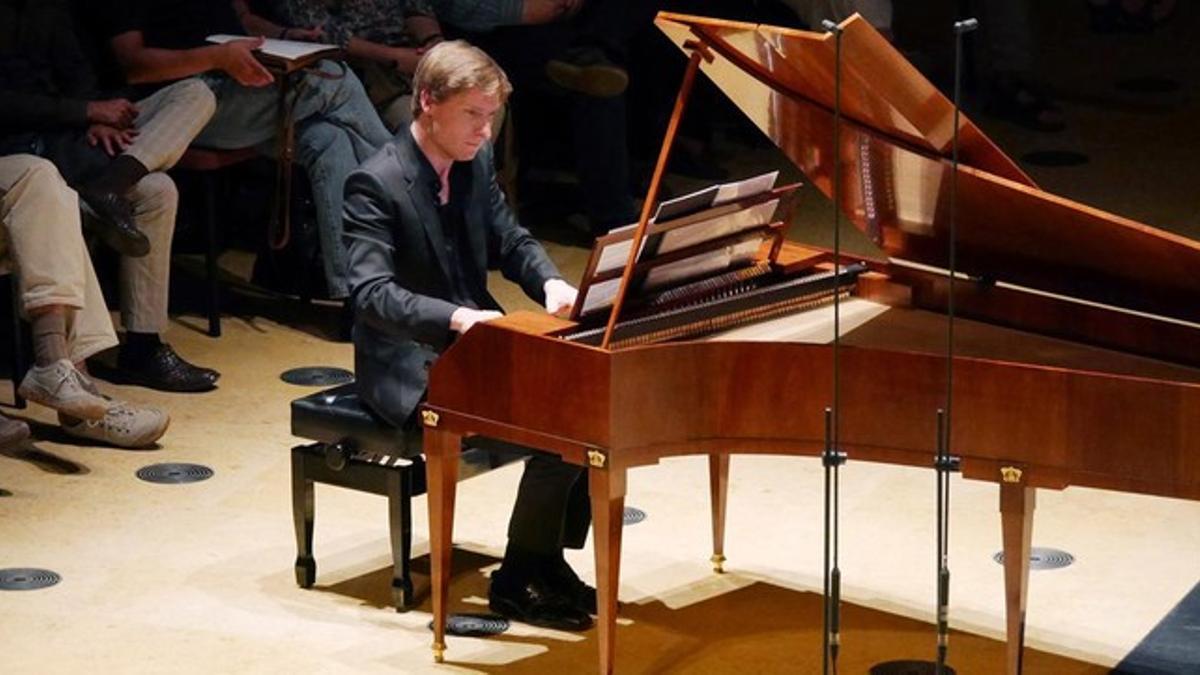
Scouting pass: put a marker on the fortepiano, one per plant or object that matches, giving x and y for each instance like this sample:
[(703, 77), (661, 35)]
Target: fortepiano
[(1119, 409)]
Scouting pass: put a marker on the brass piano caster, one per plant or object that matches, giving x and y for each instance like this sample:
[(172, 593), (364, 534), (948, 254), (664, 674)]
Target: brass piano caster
[(439, 652), (718, 563)]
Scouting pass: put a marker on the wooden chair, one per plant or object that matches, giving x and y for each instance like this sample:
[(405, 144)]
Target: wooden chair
[(208, 164)]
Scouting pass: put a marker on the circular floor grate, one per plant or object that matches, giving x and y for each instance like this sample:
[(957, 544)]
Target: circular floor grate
[(474, 625), (317, 376), (908, 668), (1150, 84), (1055, 158), (174, 473), (1043, 558), (27, 579), (633, 516)]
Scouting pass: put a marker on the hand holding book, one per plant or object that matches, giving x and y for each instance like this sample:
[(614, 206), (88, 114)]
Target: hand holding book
[(237, 59), (284, 55)]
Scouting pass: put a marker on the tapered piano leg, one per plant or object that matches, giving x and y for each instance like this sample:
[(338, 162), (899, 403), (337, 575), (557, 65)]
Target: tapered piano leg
[(606, 489), (1016, 520), (718, 483), (442, 450)]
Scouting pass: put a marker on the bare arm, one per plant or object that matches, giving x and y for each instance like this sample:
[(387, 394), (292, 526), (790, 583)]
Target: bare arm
[(150, 64)]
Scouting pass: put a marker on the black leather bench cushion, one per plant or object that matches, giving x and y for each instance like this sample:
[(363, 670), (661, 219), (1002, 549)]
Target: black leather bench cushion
[(336, 414)]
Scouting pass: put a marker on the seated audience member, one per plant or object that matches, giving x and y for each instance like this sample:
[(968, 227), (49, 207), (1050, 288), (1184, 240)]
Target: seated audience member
[(112, 151), (419, 257), (102, 145), (157, 41), (39, 224), (386, 37)]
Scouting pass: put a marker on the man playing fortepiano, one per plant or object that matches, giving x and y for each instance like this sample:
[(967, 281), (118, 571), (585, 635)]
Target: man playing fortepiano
[(424, 221)]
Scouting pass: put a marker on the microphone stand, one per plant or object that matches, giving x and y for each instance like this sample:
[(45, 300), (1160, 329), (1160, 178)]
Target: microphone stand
[(833, 457), (944, 462)]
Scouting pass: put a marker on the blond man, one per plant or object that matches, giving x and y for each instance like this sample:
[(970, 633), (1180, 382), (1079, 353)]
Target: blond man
[(425, 220)]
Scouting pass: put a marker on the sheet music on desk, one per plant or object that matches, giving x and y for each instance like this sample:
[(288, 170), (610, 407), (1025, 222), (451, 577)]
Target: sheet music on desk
[(707, 230), (614, 256), (603, 294), (715, 195)]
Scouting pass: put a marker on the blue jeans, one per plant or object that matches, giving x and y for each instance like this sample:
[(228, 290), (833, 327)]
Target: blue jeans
[(337, 129)]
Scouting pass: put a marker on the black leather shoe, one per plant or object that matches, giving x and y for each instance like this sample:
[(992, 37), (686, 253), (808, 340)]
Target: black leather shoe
[(588, 71), (164, 370), (536, 603), (110, 217), (564, 581)]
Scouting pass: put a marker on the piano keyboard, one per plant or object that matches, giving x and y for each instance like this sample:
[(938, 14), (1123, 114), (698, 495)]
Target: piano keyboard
[(748, 301)]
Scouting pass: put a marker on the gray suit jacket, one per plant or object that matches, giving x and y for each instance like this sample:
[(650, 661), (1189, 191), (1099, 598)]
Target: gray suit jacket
[(398, 269)]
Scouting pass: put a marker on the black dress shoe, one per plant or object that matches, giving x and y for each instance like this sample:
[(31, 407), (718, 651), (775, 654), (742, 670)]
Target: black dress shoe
[(164, 370), (536, 603), (110, 217), (564, 581)]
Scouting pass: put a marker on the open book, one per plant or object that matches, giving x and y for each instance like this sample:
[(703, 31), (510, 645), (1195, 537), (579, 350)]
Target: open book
[(286, 54)]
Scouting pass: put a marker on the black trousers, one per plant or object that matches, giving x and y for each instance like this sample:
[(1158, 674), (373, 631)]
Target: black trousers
[(552, 511), (69, 151)]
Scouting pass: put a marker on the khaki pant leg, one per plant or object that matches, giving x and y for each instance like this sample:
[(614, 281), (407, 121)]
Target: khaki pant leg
[(43, 242), (145, 281), (167, 122), (42, 239)]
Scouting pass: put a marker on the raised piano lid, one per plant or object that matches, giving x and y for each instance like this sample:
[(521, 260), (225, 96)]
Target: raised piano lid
[(896, 172)]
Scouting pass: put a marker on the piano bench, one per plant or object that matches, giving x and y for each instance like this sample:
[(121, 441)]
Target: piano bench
[(357, 450)]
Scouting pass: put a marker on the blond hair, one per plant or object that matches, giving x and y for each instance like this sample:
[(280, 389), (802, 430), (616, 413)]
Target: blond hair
[(455, 66)]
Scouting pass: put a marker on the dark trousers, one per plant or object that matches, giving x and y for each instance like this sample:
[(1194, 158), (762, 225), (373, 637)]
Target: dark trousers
[(69, 151), (552, 509)]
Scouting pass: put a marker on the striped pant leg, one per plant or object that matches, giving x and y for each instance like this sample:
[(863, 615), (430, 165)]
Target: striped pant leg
[(168, 120), (145, 281)]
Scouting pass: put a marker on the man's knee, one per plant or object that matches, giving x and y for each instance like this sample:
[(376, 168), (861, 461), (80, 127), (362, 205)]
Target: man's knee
[(199, 97), (154, 196), (41, 174), (336, 81), (550, 471)]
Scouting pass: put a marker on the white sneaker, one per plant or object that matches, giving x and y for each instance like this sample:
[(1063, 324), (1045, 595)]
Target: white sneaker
[(125, 425), (62, 387)]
